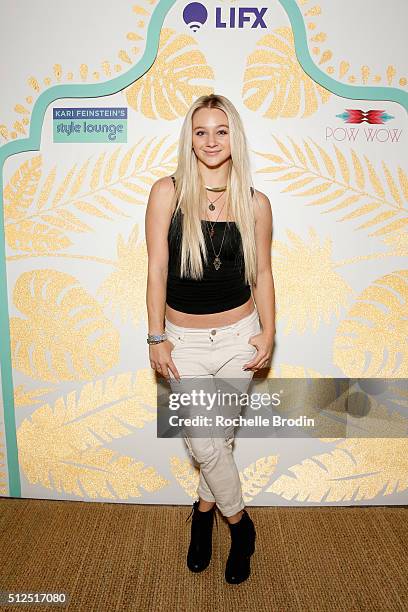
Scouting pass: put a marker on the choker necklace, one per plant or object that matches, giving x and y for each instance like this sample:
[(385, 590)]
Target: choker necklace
[(215, 188)]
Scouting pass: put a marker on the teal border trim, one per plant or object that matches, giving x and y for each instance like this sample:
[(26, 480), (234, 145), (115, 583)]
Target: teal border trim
[(33, 143)]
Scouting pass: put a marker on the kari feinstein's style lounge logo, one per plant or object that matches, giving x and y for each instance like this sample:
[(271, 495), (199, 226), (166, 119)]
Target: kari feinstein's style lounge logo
[(378, 133), (89, 124), (195, 15)]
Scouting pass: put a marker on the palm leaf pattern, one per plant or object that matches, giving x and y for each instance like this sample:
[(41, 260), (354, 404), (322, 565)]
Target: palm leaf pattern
[(40, 217), (166, 90), (354, 187), (275, 81)]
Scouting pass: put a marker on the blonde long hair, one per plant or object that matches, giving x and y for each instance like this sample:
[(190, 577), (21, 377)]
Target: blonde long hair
[(190, 189)]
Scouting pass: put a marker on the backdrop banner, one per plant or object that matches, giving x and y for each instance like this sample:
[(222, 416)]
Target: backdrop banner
[(91, 111)]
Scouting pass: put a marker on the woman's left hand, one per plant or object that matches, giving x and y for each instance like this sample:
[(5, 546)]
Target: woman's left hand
[(264, 343)]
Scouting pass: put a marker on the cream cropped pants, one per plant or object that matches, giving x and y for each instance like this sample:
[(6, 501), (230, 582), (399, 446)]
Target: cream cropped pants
[(215, 355)]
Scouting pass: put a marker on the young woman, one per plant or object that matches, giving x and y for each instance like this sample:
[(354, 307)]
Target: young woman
[(210, 301)]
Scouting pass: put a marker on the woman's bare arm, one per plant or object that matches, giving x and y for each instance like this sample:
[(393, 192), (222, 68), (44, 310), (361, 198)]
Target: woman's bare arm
[(157, 222), (264, 291)]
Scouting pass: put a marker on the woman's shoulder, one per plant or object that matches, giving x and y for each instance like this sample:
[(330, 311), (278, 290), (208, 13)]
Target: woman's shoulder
[(262, 205), (164, 184), (161, 198), (260, 195)]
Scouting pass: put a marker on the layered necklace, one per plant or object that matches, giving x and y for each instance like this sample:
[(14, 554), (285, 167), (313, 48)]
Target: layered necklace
[(211, 206), (217, 261)]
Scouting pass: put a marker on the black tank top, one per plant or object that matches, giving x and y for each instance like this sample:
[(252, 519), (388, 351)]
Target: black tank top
[(218, 290)]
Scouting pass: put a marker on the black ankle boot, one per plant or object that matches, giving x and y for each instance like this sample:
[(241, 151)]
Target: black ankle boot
[(200, 549), (243, 536)]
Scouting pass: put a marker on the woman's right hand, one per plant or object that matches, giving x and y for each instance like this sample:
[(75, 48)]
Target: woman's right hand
[(161, 361)]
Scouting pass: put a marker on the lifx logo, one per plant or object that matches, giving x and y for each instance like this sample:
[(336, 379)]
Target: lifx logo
[(195, 15)]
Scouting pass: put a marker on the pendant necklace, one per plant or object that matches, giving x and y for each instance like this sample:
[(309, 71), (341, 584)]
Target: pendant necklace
[(211, 206), (212, 223), (217, 261)]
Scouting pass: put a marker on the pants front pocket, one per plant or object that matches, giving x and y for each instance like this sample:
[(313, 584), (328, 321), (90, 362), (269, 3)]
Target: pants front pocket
[(242, 336), (176, 338)]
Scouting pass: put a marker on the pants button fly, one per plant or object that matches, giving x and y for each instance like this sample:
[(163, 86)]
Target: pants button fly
[(213, 332)]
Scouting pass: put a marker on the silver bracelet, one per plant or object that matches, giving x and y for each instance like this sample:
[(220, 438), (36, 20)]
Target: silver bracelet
[(156, 338)]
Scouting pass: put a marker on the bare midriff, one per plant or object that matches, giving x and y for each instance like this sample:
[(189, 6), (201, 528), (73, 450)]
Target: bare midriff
[(215, 319)]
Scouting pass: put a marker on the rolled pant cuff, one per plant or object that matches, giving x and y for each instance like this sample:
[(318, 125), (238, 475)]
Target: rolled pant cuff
[(231, 511)]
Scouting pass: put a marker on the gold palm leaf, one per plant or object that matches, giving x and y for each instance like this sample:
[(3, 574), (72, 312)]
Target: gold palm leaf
[(308, 288), (104, 410), (147, 387), (355, 470), (38, 218), (23, 397), (371, 341), (253, 478), (92, 473), (166, 90), (61, 447), (19, 192), (124, 289), (352, 186), (64, 335), (256, 476), (398, 242), (275, 79), (186, 475)]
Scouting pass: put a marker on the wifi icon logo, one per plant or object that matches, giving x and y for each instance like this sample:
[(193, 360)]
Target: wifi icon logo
[(195, 15)]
